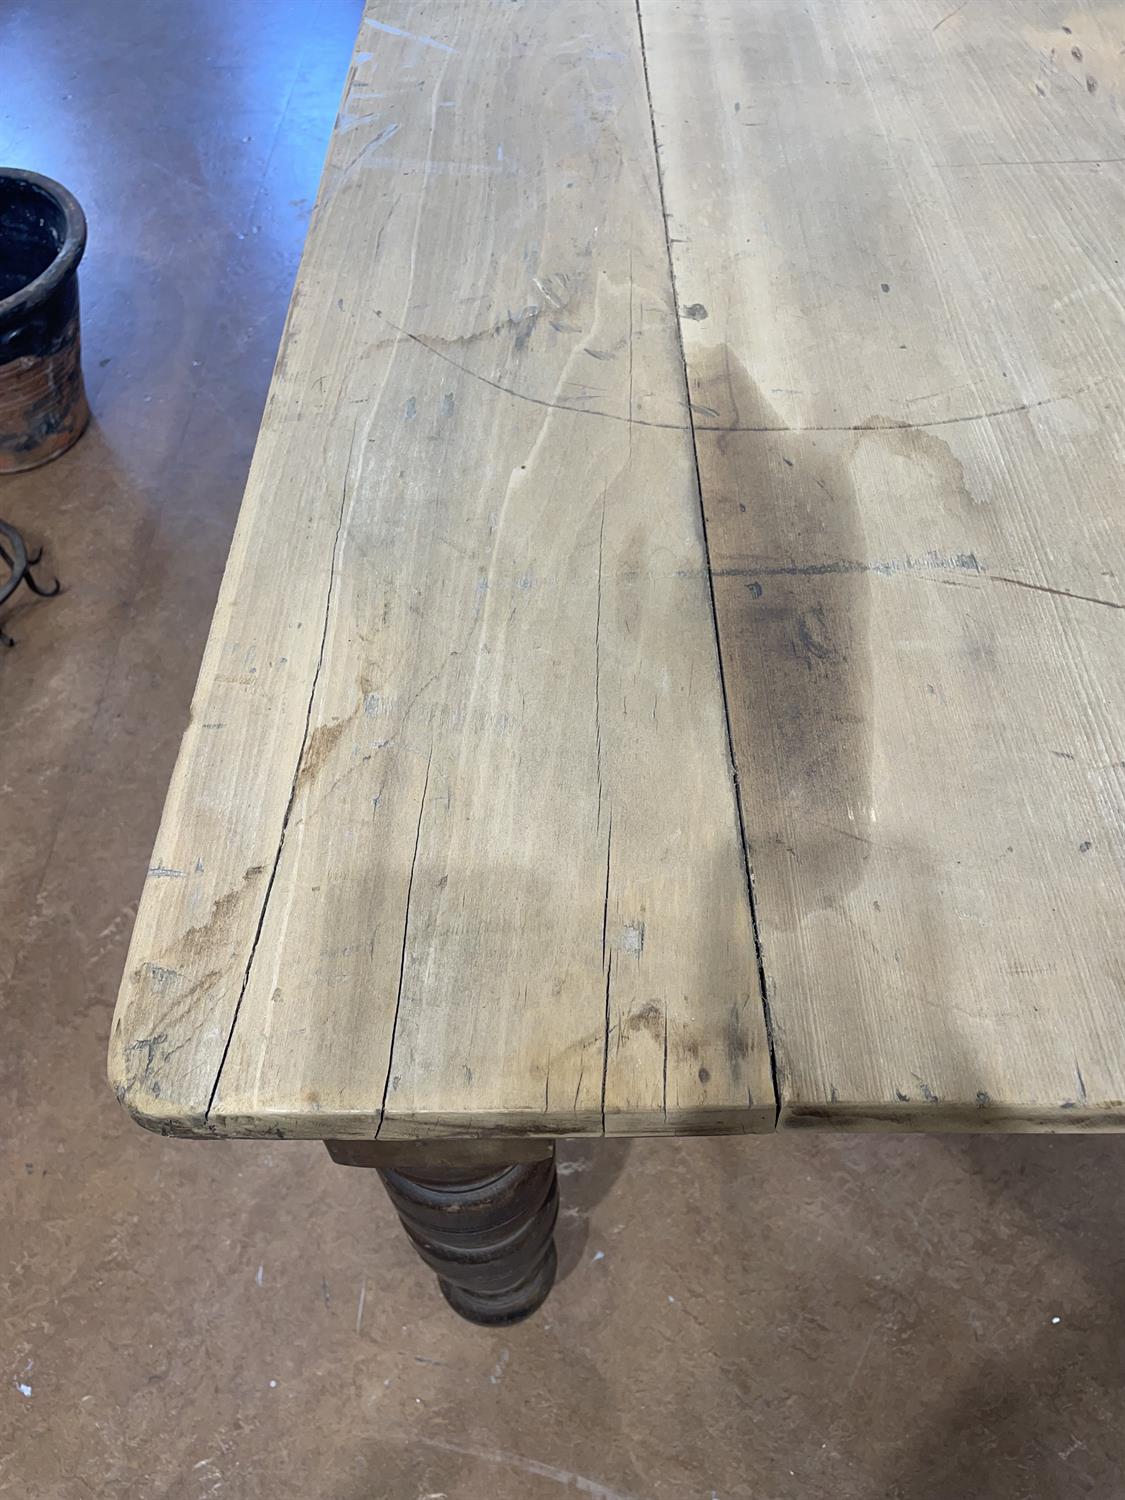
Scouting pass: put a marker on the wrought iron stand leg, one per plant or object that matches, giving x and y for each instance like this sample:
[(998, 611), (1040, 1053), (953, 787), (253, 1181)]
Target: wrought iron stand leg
[(486, 1229), (19, 566)]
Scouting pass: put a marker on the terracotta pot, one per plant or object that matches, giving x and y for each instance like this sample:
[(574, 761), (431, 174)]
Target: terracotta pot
[(42, 398)]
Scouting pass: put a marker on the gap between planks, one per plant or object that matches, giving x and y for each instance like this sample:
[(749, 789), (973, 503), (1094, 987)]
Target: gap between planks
[(750, 896)]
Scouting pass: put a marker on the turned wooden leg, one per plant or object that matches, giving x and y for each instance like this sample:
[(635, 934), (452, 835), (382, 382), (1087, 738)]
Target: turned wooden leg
[(486, 1228)]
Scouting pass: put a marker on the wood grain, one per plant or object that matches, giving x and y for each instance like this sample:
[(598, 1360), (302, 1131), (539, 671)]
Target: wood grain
[(899, 231), (452, 844)]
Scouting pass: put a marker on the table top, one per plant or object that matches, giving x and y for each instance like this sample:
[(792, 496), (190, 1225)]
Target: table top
[(662, 386)]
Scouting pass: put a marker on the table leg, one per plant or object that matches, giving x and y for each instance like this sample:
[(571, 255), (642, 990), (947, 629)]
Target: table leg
[(485, 1228)]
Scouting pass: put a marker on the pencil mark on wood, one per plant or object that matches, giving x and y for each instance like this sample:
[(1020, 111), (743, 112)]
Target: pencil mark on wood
[(963, 561), (884, 424)]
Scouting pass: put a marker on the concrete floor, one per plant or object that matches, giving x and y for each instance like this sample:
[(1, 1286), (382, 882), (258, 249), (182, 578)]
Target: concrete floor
[(754, 1320)]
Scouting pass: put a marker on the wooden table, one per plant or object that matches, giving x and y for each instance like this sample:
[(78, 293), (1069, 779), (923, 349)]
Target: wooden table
[(669, 676)]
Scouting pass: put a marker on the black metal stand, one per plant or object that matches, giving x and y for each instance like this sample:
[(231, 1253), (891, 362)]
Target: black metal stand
[(19, 564)]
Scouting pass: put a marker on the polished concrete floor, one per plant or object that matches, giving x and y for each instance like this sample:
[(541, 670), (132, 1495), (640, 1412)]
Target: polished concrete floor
[(772, 1319)]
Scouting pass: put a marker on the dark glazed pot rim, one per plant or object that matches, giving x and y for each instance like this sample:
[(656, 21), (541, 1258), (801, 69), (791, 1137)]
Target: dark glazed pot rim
[(65, 263)]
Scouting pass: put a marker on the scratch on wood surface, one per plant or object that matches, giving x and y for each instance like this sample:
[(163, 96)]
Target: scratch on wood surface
[(1036, 161), (410, 36), (1044, 588), (955, 12), (578, 1085)]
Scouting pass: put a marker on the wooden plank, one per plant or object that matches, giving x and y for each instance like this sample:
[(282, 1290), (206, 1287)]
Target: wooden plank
[(406, 1156), (899, 228), (452, 843)]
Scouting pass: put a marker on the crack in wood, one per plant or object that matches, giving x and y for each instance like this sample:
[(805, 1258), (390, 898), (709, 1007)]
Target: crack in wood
[(293, 788)]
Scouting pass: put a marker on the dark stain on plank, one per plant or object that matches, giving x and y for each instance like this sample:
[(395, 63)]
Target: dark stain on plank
[(321, 742), (794, 627), (649, 1018)]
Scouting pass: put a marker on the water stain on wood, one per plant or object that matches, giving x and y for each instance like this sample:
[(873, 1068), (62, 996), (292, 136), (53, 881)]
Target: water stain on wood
[(928, 453), (795, 640)]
